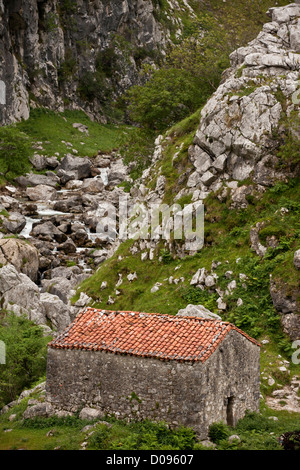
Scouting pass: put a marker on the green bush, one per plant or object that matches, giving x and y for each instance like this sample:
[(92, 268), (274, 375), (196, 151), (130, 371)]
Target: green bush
[(100, 438), (218, 432), (43, 423), (197, 296), (255, 422), (289, 150), (170, 95), (137, 148), (67, 68), (25, 356), (166, 256), (15, 149), (92, 86), (142, 435)]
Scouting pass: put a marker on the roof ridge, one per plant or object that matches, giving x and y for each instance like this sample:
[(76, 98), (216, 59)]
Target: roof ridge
[(166, 315), (183, 338)]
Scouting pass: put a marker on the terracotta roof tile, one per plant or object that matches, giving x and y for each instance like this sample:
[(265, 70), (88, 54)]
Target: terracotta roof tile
[(164, 337)]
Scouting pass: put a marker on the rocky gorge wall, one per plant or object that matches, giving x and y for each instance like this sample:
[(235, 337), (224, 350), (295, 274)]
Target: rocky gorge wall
[(50, 48)]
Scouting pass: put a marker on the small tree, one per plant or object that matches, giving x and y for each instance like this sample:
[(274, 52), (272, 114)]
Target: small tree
[(14, 151), (170, 95)]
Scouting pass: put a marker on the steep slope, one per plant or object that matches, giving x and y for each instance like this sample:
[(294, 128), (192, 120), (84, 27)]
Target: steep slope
[(239, 125)]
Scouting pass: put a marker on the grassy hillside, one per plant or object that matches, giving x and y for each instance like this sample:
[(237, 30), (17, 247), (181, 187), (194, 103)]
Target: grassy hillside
[(52, 134), (227, 242)]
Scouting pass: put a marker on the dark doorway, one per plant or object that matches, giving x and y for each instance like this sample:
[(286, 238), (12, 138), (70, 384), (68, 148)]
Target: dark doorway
[(229, 411)]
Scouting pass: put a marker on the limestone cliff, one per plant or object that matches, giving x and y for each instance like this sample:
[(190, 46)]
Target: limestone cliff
[(74, 53), (240, 126)]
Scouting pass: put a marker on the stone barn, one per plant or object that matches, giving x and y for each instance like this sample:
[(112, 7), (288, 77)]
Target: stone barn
[(182, 370)]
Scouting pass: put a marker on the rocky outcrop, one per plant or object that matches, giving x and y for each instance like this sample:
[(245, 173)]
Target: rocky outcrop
[(286, 303), (20, 295), (52, 50), (23, 256), (14, 223), (198, 311), (236, 136)]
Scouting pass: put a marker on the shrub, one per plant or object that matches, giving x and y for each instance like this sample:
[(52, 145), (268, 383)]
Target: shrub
[(197, 296), (291, 440), (169, 96), (100, 438), (218, 432), (14, 151), (39, 422), (289, 150), (93, 86), (166, 256), (255, 422), (25, 356)]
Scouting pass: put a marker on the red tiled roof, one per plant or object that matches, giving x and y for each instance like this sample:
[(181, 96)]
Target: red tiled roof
[(165, 337)]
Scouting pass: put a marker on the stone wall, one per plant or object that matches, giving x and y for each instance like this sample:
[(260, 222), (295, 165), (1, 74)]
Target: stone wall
[(179, 393)]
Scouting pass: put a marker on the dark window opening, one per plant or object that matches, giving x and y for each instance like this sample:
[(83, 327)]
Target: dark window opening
[(229, 411)]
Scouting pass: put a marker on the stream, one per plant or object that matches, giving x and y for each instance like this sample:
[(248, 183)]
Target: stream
[(45, 212)]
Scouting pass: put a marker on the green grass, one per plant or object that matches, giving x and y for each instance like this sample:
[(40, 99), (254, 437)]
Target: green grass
[(47, 126), (50, 132)]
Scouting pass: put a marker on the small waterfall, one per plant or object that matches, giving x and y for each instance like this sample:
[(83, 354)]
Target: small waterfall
[(28, 227), (104, 175)]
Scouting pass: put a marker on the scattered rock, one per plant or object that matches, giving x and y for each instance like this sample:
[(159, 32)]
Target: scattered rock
[(155, 288), (39, 162), (31, 179), (36, 410), (210, 281), (80, 166), (287, 305), (92, 185), (221, 304), (23, 256), (14, 223), (297, 259), (90, 414), (197, 311), (55, 310), (259, 249), (81, 127), (41, 192), (132, 277), (199, 277)]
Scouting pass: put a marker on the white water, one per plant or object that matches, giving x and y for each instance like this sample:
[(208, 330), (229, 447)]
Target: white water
[(28, 227), (104, 175), (42, 210)]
